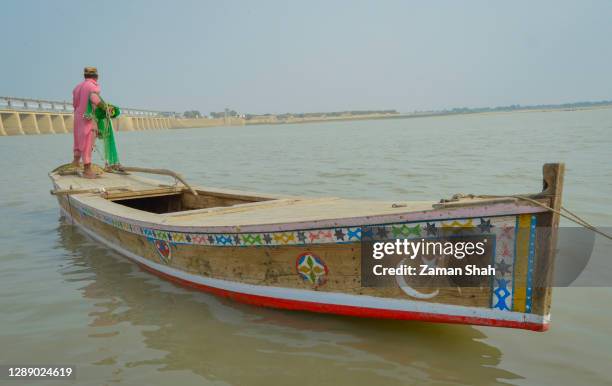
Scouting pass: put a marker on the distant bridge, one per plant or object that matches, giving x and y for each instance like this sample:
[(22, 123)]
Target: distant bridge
[(26, 104), (20, 116)]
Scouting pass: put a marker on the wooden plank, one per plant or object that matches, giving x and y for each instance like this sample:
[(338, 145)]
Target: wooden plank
[(546, 238), (143, 193), (229, 209)]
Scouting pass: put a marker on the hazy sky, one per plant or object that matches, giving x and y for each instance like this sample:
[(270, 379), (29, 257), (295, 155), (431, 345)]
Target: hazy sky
[(290, 56)]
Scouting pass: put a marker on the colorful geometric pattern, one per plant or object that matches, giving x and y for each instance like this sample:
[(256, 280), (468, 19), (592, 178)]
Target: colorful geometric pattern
[(164, 251), (530, 258), (524, 263), (504, 229), (410, 230), (501, 294), (301, 237), (312, 269)]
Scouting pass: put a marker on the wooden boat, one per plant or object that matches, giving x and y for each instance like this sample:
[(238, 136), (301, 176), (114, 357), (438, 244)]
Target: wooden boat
[(302, 253)]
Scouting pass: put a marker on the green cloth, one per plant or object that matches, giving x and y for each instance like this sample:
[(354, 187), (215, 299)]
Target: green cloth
[(103, 117)]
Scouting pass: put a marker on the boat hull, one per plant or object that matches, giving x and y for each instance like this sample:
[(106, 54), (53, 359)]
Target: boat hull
[(265, 271)]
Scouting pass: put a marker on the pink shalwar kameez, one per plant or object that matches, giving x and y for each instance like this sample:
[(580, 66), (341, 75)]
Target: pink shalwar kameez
[(84, 128)]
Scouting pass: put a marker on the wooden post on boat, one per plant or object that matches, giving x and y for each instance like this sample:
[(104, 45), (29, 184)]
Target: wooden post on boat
[(548, 229)]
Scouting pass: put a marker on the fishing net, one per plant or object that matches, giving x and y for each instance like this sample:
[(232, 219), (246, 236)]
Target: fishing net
[(103, 115)]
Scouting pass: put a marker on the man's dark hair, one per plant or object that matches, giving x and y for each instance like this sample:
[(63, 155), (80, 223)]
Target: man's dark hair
[(90, 76)]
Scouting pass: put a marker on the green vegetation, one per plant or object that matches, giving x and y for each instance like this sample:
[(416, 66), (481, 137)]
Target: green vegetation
[(221, 114), (192, 114)]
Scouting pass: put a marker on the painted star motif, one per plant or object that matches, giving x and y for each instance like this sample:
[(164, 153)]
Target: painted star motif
[(485, 226), (267, 238), (301, 236), (382, 232), (503, 268), (211, 240), (339, 234), (431, 229), (237, 240)]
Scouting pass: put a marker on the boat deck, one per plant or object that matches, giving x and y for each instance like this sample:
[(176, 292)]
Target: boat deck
[(266, 208), (273, 208)]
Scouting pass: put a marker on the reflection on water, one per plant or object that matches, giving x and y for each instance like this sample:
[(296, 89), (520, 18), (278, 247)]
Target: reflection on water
[(221, 340)]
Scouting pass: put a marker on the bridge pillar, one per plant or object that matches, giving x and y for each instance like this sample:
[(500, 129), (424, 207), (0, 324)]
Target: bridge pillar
[(58, 124), (172, 123), (28, 123), (68, 122), (11, 123), (2, 132), (43, 121), (125, 124)]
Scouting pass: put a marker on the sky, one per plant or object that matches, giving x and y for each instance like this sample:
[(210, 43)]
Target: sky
[(310, 56)]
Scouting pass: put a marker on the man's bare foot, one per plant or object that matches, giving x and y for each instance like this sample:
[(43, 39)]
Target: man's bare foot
[(91, 175), (88, 172)]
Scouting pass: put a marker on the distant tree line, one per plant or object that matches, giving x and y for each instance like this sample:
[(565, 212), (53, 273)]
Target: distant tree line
[(214, 114), (574, 105), (192, 114), (323, 114), (221, 114)]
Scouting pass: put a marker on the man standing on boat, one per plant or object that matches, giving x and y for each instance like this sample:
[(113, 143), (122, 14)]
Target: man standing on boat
[(85, 130)]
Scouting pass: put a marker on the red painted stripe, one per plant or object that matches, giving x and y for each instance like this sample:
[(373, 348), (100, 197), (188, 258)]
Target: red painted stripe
[(364, 312)]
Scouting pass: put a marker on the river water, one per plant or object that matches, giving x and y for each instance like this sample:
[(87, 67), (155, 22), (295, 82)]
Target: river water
[(65, 299)]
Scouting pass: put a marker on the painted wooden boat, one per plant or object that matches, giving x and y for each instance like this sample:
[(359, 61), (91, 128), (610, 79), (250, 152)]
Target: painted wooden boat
[(302, 253)]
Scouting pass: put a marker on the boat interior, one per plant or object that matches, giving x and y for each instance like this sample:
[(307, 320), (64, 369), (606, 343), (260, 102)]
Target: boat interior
[(184, 200)]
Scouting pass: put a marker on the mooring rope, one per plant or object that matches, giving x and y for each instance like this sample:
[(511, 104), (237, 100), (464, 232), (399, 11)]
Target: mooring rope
[(571, 216)]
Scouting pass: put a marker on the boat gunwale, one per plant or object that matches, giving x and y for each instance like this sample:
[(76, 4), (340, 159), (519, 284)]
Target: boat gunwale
[(488, 210), (480, 208)]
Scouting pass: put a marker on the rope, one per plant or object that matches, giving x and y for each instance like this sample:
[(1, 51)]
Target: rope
[(100, 154), (571, 216)]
